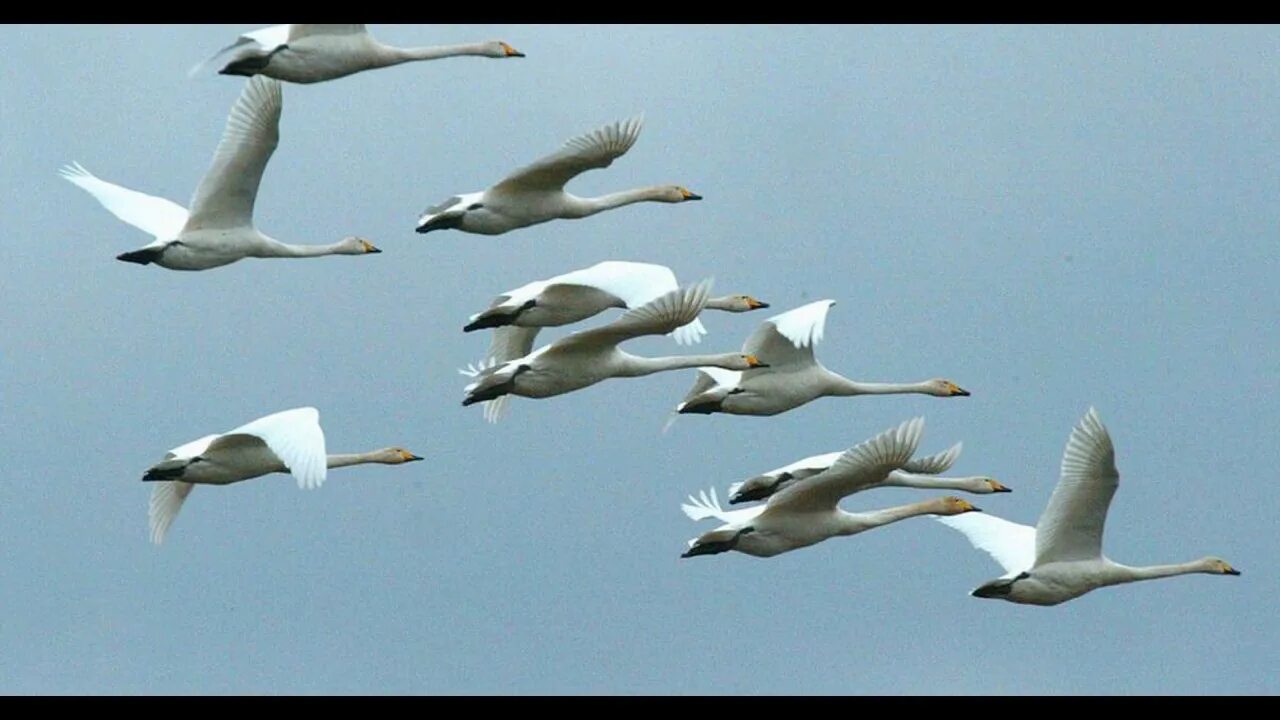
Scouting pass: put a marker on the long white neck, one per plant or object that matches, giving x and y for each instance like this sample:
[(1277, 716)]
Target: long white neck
[(1124, 573), (582, 207), (388, 55), (634, 365), (268, 248), (343, 460), (853, 523), (844, 386), (902, 478)]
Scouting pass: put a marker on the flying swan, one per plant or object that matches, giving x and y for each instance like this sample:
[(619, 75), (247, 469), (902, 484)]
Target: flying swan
[(288, 441), (219, 230), (792, 377), (1061, 558), (807, 512), (535, 193), (315, 53), (519, 314), (590, 356), (918, 473)]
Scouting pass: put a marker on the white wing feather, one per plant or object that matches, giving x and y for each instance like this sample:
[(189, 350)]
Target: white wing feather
[(166, 501), (708, 506), (161, 218), (266, 39), (935, 464), (857, 468), (1011, 544), (1072, 523), (296, 438), (596, 149), (787, 340)]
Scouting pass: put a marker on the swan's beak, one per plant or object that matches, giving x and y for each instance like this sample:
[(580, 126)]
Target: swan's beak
[(368, 247), (997, 487), (689, 195), (755, 304), (510, 51), (754, 362), (410, 457), (957, 391), (1231, 571)]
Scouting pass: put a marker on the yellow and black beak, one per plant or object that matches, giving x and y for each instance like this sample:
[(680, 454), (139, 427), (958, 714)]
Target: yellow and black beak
[(997, 487), (689, 195), (754, 362), (957, 391), (1231, 571), (510, 51), (368, 247), (755, 304)]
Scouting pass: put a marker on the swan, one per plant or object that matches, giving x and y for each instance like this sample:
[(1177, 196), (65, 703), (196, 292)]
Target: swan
[(315, 53), (807, 512), (792, 376), (590, 356), (918, 473), (519, 314), (288, 441), (1061, 557), (535, 193), (219, 229)]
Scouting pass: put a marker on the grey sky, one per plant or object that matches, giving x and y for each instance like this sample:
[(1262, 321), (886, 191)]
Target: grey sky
[(1052, 217)]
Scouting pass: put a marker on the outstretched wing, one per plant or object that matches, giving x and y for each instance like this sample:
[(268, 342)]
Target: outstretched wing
[(1071, 526), (935, 464), (785, 342), (297, 32), (266, 39), (166, 501), (295, 437), (635, 284), (708, 506), (1012, 544), (596, 149), (857, 468), (658, 317), (225, 196), (154, 215)]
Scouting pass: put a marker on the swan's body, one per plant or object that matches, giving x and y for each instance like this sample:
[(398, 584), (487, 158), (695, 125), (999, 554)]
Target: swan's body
[(315, 53), (1061, 558), (793, 377), (219, 228), (807, 511), (535, 193), (920, 473), (590, 356), (520, 313), (289, 441)]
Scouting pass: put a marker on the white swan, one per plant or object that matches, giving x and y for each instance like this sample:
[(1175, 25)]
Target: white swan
[(519, 314), (590, 356), (807, 512), (1061, 558), (219, 229), (314, 53), (535, 193), (792, 377), (288, 441), (918, 473)]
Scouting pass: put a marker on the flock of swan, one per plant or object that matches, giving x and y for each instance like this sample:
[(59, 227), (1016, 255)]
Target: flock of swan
[(774, 371)]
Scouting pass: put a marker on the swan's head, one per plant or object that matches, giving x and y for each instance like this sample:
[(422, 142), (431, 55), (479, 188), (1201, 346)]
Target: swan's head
[(356, 246), (499, 49), (989, 485), (736, 303), (941, 387), (676, 194), (743, 361), (394, 456), (952, 505), (1218, 566)]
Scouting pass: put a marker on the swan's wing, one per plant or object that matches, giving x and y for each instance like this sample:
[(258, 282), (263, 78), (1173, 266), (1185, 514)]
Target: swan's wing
[(635, 284), (154, 215), (166, 501), (1071, 526), (225, 196), (785, 342), (769, 484), (510, 342), (710, 377), (297, 32), (268, 38), (858, 467), (1012, 544), (705, 506), (295, 437), (191, 449), (658, 317), (596, 149), (935, 464), (496, 408)]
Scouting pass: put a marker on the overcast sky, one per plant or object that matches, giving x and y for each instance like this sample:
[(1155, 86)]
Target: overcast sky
[(1052, 217)]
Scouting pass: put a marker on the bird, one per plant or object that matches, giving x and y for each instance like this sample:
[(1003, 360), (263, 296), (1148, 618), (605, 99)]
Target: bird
[(535, 193), (918, 473), (792, 377), (517, 315), (1061, 557), (287, 441), (808, 512), (219, 229), (315, 53), (590, 356)]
